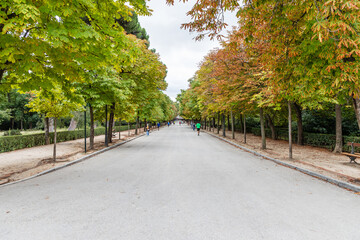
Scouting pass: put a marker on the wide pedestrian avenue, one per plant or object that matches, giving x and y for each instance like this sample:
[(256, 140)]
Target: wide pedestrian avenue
[(175, 185)]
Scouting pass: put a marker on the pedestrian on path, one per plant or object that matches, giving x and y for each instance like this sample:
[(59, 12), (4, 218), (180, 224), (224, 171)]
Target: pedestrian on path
[(158, 125), (147, 129), (198, 126), (168, 124)]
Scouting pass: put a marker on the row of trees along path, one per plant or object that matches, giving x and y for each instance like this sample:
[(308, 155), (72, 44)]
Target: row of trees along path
[(69, 56), (303, 54)]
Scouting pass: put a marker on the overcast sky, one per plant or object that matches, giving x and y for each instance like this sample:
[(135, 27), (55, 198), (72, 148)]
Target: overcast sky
[(177, 48)]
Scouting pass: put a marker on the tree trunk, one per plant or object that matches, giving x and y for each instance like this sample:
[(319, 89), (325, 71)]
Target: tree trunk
[(111, 120), (137, 125), (205, 123), (12, 114), (241, 123), (232, 125), (272, 126), (2, 71), (338, 142), (51, 125), (218, 124), (244, 128), (263, 138), (300, 137), (106, 127), (228, 121), (290, 131), (54, 153), (213, 124), (47, 132), (73, 124), (223, 125), (22, 123), (356, 102), (128, 129), (145, 124), (92, 127)]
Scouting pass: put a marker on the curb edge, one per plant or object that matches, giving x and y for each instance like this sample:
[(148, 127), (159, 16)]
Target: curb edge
[(72, 162), (339, 183)]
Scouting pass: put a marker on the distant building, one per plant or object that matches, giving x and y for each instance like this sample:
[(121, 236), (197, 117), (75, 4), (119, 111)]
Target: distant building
[(179, 118)]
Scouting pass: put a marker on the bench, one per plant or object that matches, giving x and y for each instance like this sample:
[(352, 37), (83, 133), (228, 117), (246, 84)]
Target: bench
[(352, 155)]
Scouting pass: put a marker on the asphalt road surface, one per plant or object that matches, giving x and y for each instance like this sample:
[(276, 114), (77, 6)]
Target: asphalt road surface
[(175, 185)]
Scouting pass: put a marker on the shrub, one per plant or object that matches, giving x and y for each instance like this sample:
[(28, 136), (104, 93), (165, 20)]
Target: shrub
[(11, 143), (320, 140), (312, 139)]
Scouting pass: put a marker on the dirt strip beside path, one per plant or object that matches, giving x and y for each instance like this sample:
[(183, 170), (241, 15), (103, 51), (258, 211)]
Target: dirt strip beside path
[(23, 163), (315, 159)]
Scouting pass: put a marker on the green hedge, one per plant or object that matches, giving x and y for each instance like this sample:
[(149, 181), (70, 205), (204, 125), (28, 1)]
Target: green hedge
[(312, 139), (11, 143)]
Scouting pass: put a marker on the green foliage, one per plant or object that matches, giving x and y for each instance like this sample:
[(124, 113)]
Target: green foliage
[(320, 140), (132, 26), (5, 115), (189, 102), (11, 143), (323, 121), (53, 103), (319, 121), (51, 42), (68, 54)]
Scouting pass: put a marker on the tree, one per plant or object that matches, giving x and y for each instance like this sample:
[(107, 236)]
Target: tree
[(53, 104), (58, 38), (5, 113), (132, 26), (309, 49)]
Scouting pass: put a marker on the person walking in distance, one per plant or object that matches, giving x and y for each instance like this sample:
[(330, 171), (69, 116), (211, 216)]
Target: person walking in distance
[(158, 125), (198, 126), (147, 129)]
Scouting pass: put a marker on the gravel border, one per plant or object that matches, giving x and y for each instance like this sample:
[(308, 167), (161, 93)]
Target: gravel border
[(72, 162), (339, 183)]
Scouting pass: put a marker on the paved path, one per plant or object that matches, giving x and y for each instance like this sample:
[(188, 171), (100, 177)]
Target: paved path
[(175, 185)]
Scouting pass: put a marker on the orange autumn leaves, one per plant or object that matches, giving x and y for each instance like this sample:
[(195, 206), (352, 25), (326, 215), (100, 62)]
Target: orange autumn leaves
[(228, 78)]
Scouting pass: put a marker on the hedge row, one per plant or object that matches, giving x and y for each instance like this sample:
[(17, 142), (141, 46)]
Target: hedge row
[(312, 139), (10, 143)]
